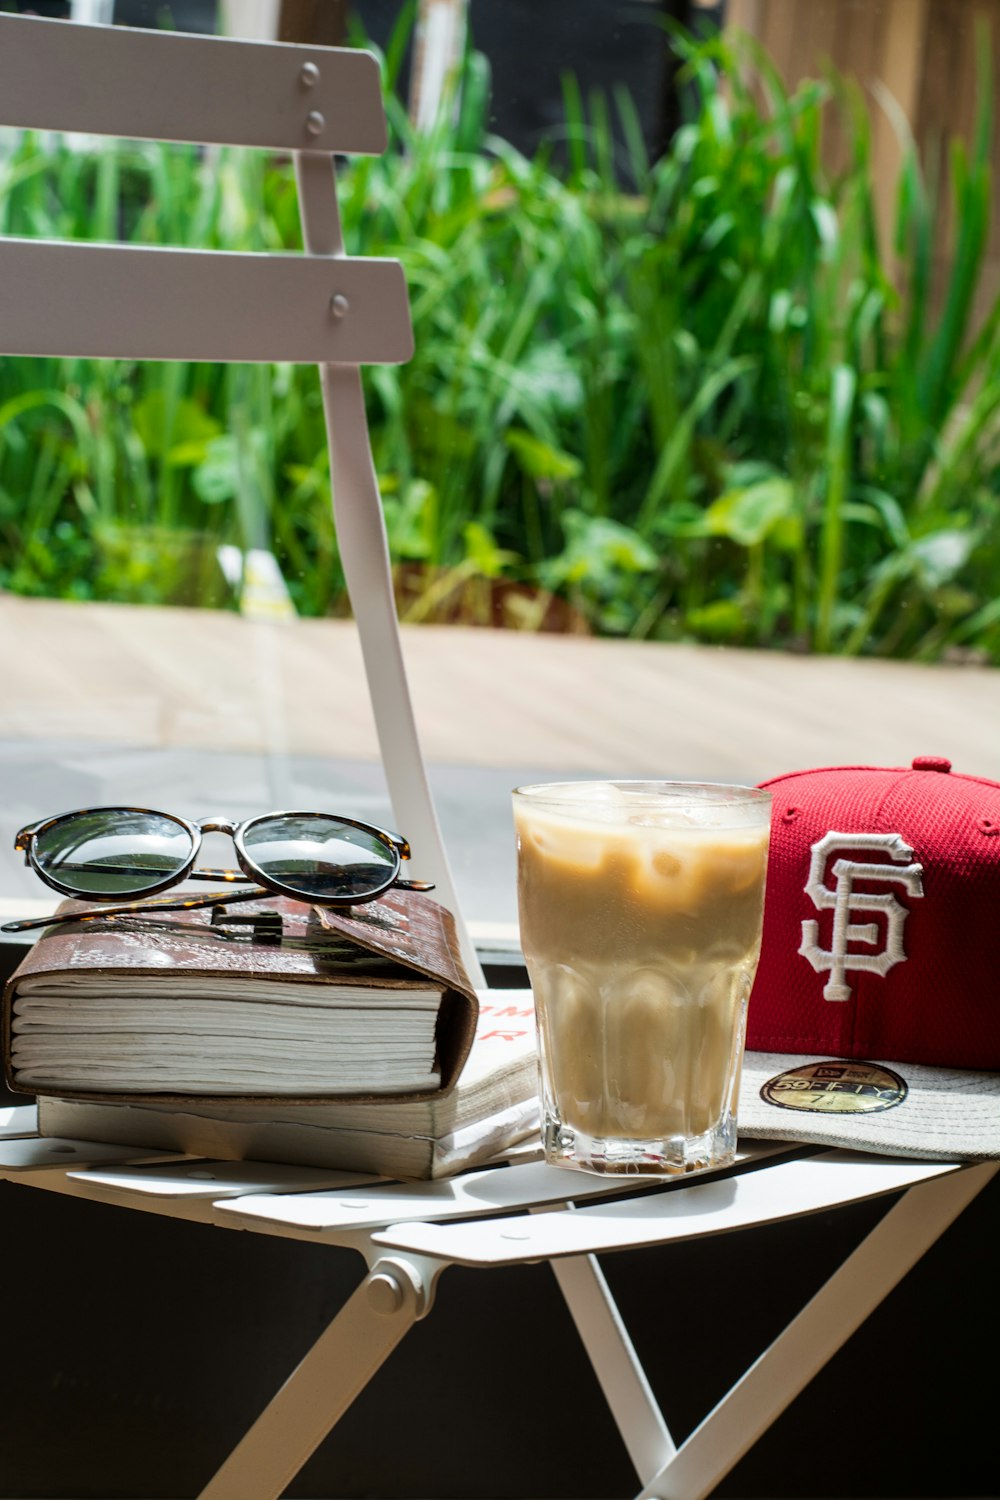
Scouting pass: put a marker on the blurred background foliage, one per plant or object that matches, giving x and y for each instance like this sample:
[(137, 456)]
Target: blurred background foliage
[(691, 398)]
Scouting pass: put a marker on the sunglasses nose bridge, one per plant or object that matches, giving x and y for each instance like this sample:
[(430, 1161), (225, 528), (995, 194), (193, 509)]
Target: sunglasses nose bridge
[(218, 825)]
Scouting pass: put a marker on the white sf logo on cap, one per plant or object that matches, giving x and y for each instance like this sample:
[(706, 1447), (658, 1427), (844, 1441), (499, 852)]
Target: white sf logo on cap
[(844, 901)]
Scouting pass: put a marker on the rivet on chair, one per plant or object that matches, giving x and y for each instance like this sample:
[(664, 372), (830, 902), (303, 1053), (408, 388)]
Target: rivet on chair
[(339, 305), (315, 122), (309, 75), (385, 1295)]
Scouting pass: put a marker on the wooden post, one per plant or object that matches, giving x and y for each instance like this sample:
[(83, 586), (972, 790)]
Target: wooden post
[(438, 44), (881, 44), (253, 20), (323, 22), (901, 72)]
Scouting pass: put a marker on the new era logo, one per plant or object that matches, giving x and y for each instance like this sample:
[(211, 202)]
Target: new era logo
[(845, 901)]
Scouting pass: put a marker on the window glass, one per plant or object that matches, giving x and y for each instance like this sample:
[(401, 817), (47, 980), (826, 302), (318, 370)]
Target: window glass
[(704, 301)]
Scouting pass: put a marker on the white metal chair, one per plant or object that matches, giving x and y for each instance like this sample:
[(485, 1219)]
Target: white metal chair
[(324, 308), (108, 301)]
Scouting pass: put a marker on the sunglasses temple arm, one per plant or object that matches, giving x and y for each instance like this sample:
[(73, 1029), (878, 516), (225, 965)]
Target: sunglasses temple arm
[(217, 898), (126, 908)]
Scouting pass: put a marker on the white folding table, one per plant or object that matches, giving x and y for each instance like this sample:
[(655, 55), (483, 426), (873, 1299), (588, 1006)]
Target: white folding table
[(524, 1213)]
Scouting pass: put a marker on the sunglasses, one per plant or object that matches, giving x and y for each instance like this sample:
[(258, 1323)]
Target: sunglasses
[(125, 855)]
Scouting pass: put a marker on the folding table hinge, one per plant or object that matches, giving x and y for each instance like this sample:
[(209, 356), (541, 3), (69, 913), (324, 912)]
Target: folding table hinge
[(399, 1283)]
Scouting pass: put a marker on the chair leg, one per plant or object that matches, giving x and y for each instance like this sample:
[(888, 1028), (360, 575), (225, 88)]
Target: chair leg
[(840, 1306), (392, 1297), (616, 1364)]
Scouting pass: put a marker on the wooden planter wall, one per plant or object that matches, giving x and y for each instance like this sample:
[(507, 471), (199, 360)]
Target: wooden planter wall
[(924, 53)]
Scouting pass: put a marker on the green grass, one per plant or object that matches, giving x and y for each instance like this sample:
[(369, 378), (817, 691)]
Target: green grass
[(705, 406)]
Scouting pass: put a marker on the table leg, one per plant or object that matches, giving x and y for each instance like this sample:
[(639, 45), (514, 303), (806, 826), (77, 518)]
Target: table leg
[(826, 1322), (615, 1362), (392, 1297)]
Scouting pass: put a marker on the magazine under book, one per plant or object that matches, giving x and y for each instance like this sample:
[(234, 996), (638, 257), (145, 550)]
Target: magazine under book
[(491, 1111)]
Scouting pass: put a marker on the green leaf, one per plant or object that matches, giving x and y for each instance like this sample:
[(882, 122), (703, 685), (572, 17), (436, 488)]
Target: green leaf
[(481, 550), (162, 427), (747, 516), (540, 460), (553, 377), (843, 389), (215, 479), (186, 455), (474, 102), (72, 410), (597, 551), (723, 620), (942, 554), (891, 513), (827, 226), (411, 521), (673, 456)]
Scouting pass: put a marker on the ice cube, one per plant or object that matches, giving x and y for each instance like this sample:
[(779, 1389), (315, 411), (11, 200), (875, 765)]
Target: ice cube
[(652, 818), (600, 794), (598, 801)]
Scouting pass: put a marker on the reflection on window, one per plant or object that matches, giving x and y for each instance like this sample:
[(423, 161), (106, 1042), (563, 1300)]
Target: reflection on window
[(705, 309)]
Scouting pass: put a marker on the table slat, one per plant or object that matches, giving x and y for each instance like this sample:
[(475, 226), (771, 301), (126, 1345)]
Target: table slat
[(36, 1153), (776, 1191), (492, 1191), (212, 1179), (18, 1119)]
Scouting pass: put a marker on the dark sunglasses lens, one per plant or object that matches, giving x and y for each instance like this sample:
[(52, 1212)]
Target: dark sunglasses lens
[(321, 859), (113, 852)]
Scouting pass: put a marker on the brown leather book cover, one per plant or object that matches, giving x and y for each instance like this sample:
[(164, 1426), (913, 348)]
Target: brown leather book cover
[(404, 939)]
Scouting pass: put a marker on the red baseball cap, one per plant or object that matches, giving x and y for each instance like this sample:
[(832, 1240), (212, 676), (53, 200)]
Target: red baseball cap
[(874, 1020)]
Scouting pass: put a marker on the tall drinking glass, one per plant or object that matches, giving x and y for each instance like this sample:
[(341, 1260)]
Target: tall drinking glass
[(640, 906)]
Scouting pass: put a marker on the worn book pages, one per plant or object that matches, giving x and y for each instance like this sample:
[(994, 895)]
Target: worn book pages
[(492, 1108), (280, 1001), (211, 1036)]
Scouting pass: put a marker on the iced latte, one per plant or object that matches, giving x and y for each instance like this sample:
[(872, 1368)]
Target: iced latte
[(640, 912)]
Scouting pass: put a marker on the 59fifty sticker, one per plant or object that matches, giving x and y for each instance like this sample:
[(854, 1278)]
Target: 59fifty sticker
[(836, 1088)]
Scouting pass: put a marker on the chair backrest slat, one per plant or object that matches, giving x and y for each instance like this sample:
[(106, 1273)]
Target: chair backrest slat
[(143, 302), (150, 85)]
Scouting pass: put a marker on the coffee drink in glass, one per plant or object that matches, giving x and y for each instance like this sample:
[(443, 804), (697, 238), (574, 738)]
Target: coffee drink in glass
[(640, 907)]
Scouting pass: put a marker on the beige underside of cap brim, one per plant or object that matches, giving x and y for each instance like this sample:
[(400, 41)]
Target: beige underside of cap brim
[(948, 1114)]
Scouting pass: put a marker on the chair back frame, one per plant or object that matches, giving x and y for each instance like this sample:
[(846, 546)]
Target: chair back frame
[(131, 302)]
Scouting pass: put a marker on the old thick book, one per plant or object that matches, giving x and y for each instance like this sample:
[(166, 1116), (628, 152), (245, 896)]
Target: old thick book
[(492, 1109), (278, 1002)]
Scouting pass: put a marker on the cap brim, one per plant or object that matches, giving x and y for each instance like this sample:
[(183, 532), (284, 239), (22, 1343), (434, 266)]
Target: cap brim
[(947, 1114)]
